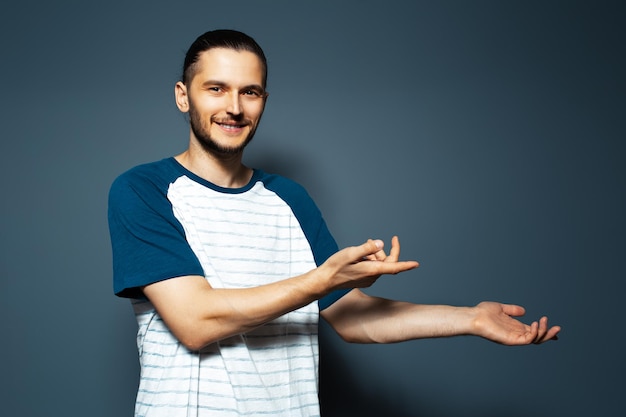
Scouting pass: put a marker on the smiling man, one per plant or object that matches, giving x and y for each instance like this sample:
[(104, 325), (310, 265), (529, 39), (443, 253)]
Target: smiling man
[(229, 268), (225, 99)]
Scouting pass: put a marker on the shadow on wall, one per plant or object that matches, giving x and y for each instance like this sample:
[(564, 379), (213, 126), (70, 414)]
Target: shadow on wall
[(280, 159), (341, 397), (342, 394)]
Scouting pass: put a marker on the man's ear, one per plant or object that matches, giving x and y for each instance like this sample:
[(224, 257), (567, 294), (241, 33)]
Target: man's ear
[(182, 99)]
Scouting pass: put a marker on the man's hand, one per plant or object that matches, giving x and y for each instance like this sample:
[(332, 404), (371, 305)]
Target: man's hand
[(360, 266), (494, 321)]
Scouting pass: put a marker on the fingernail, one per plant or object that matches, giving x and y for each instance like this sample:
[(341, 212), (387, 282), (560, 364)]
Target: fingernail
[(379, 244)]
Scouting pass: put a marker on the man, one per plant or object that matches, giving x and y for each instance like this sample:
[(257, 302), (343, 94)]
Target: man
[(229, 268)]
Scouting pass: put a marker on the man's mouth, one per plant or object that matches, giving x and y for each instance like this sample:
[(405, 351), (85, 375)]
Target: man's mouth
[(231, 125)]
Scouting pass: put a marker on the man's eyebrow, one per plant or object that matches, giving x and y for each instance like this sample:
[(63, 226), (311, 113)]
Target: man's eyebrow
[(254, 87), (214, 82)]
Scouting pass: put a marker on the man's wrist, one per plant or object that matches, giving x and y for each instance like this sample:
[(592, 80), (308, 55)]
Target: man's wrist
[(318, 282)]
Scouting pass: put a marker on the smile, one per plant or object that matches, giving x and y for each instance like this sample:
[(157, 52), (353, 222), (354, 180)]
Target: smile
[(231, 127)]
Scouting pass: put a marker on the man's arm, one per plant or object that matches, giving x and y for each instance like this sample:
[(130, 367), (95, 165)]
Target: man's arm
[(359, 318), (198, 314)]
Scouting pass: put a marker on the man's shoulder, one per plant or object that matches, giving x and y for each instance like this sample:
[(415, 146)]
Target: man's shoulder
[(151, 178), (163, 170)]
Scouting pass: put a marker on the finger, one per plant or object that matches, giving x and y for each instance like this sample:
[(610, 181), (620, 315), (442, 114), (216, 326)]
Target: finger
[(542, 330), (367, 250), (394, 253), (370, 248), (513, 310), (378, 256), (392, 268), (553, 333), (532, 333), (550, 334), (354, 254)]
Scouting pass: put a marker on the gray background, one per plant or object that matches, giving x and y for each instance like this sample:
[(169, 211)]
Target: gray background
[(488, 135)]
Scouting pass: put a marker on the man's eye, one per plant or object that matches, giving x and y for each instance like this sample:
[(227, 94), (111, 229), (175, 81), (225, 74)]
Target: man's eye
[(251, 93)]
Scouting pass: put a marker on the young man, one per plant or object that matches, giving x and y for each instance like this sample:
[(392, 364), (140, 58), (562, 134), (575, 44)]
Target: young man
[(229, 268)]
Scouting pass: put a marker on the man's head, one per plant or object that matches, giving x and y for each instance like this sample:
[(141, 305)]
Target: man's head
[(223, 90), (222, 38)]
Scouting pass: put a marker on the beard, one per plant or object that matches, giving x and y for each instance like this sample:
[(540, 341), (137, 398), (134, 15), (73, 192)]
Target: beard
[(209, 144)]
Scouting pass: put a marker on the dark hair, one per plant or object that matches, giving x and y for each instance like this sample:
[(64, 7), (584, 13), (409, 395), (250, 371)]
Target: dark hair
[(222, 38)]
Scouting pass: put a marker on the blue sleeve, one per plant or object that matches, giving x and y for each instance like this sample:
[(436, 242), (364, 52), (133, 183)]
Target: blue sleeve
[(148, 243)]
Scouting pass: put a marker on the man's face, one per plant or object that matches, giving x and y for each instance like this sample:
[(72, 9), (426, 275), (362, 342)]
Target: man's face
[(226, 98)]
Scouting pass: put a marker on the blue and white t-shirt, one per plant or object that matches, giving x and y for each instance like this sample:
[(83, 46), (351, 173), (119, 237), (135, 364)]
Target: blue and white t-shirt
[(167, 222)]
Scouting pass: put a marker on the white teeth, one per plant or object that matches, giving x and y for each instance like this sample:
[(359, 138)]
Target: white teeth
[(230, 126)]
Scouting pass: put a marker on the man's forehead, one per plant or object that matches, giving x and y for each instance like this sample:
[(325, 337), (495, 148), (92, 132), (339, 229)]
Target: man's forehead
[(229, 61)]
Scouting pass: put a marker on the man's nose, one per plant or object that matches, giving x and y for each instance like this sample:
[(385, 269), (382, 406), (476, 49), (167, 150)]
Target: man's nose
[(234, 103)]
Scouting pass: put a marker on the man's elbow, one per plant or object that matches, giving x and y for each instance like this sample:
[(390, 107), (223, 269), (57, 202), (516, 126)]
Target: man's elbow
[(200, 335), (194, 338), (193, 344), (354, 334)]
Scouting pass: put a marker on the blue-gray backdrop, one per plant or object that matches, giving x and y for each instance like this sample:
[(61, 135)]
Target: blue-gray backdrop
[(489, 135)]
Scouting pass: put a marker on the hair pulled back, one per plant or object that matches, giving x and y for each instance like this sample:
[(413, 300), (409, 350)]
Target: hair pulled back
[(221, 38)]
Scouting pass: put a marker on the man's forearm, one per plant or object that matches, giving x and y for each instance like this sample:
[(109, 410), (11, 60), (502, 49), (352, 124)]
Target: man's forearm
[(362, 319), (359, 318), (198, 314)]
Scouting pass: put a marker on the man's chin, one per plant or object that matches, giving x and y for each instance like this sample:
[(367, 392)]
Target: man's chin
[(224, 149)]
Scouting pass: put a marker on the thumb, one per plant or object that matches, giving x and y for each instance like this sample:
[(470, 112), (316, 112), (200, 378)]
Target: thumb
[(370, 247), (354, 254), (513, 310)]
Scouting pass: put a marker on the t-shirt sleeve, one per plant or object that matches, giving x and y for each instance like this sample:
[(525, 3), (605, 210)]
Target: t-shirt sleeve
[(148, 242)]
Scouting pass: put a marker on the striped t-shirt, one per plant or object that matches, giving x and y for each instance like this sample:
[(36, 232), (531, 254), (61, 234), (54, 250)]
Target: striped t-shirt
[(167, 222)]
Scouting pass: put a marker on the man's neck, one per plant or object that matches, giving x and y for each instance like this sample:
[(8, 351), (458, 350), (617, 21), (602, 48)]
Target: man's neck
[(222, 170)]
